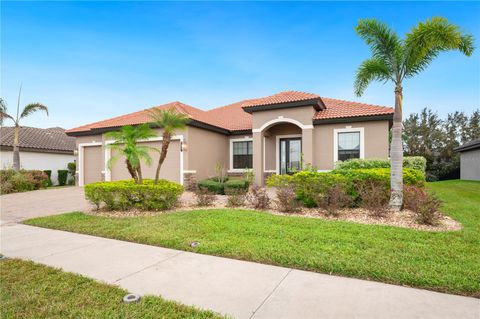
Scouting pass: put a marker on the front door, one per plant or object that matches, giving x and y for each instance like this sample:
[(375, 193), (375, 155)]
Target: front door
[(290, 155)]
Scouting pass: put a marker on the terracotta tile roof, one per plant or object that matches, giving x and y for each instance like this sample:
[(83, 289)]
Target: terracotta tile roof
[(282, 97), (142, 116), (343, 109), (232, 117), (50, 139)]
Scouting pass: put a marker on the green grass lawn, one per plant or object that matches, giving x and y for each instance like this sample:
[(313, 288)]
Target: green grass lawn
[(29, 290), (448, 261)]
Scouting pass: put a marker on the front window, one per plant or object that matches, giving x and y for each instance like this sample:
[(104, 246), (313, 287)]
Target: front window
[(348, 145), (242, 155)]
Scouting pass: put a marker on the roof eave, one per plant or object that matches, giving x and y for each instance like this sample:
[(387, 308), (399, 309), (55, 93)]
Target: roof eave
[(317, 104), (364, 118)]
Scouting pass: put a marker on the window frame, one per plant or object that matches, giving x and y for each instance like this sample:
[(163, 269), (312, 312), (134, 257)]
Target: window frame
[(348, 129), (235, 140)]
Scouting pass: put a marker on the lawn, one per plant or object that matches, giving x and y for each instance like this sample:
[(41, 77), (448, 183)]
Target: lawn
[(447, 262), (29, 290)]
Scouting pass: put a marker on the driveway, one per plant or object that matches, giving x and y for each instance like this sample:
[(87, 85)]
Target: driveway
[(53, 201)]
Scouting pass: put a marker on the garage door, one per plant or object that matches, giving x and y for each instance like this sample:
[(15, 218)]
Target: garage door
[(170, 168), (92, 164)]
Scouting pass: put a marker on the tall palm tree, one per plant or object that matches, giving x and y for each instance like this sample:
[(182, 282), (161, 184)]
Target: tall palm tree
[(170, 120), (26, 111), (126, 143), (394, 59)]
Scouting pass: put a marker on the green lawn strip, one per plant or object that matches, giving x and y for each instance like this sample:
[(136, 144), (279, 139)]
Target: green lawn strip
[(446, 261), (29, 290)]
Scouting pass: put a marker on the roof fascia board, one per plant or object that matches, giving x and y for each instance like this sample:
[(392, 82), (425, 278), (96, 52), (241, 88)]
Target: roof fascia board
[(388, 117), (311, 102)]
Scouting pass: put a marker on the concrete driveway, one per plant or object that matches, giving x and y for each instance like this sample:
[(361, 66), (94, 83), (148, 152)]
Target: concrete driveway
[(20, 206)]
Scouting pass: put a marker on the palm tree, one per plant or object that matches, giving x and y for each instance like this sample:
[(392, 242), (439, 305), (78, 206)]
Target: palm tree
[(170, 120), (394, 59), (126, 143), (26, 111)]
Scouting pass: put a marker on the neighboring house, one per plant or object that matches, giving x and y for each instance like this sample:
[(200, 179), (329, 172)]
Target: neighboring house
[(470, 160), (42, 149), (272, 134)]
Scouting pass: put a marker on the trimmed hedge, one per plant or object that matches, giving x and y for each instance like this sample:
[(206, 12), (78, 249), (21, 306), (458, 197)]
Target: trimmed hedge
[(12, 181), (49, 174), (308, 185), (125, 195), (415, 162), (212, 185), (62, 177)]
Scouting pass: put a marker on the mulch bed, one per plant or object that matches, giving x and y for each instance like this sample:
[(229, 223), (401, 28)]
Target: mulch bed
[(404, 219)]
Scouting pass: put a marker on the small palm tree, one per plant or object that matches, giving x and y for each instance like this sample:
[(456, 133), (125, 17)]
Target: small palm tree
[(126, 143), (27, 110), (394, 59), (170, 120)]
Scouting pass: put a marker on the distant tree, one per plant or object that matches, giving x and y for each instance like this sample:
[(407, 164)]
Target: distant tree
[(126, 143), (394, 60), (473, 130), (170, 120), (26, 111)]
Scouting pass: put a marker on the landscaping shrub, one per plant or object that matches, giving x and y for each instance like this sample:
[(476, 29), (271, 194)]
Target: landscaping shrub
[(236, 196), (374, 197), (72, 168), (124, 195), (62, 177), (49, 174), (258, 197), (215, 186), (333, 199), (414, 162), (286, 200), (204, 197), (423, 204), (12, 181), (212, 186), (313, 188)]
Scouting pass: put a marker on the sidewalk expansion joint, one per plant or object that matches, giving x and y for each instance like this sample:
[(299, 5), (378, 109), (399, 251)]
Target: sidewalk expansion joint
[(149, 266), (271, 293)]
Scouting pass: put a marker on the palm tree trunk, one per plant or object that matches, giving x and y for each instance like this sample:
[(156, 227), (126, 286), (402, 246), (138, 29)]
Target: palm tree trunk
[(139, 173), (16, 149), (396, 155), (131, 170), (163, 154)]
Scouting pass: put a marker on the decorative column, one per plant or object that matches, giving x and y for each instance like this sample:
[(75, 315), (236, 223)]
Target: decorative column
[(307, 146), (258, 158)]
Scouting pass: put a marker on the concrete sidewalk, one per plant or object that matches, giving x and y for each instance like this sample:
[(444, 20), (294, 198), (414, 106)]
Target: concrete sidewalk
[(238, 288)]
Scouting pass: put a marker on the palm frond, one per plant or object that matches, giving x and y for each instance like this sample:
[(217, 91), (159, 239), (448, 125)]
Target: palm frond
[(371, 70), (170, 120), (32, 108), (3, 112), (431, 37), (383, 42)]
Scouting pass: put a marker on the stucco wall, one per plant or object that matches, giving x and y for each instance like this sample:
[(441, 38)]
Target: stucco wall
[(204, 150), (40, 161), (470, 165), (303, 114), (376, 141)]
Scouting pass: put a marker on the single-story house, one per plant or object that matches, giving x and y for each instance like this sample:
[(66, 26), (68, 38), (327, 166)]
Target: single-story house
[(272, 134), (470, 160), (41, 149)]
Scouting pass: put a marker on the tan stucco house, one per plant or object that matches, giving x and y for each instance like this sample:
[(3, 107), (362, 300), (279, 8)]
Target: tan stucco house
[(272, 134)]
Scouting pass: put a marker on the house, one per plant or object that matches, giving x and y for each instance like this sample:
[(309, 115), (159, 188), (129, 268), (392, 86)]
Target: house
[(470, 160), (42, 149), (272, 134)]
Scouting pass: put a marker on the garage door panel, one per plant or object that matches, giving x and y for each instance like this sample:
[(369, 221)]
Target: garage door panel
[(170, 168), (92, 164)]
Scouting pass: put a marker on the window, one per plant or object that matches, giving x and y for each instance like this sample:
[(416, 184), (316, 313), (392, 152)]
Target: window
[(348, 145), (242, 155)]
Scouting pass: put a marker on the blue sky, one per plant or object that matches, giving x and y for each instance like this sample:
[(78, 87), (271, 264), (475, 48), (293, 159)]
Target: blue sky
[(92, 60)]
